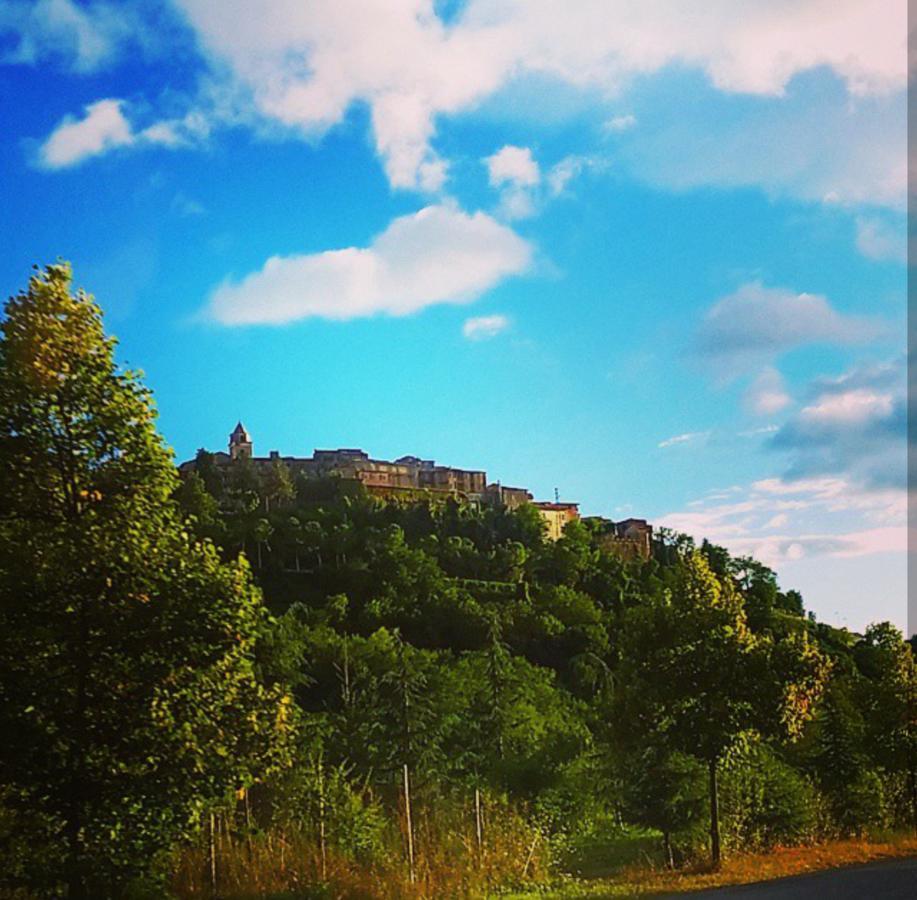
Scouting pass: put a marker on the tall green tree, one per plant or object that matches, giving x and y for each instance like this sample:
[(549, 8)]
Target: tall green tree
[(888, 697), (665, 791), (128, 695), (693, 671)]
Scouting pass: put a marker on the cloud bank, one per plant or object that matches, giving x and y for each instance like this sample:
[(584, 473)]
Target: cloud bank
[(757, 323), (437, 255), (301, 68), (305, 64), (854, 426)]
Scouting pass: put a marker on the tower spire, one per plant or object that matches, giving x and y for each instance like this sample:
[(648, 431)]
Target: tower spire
[(240, 443)]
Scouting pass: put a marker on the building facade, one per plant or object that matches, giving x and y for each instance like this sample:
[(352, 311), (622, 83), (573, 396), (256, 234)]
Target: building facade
[(556, 516)]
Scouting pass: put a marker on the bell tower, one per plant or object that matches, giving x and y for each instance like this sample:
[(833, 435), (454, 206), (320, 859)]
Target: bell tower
[(240, 443)]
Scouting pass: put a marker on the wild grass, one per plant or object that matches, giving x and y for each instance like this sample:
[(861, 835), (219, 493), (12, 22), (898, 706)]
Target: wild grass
[(449, 863)]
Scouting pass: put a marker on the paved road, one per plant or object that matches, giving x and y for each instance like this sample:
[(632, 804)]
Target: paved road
[(895, 880)]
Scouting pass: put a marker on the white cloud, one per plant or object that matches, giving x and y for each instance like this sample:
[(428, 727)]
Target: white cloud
[(617, 124), (815, 143), (829, 516), (483, 328), (756, 323), (857, 407), (570, 167), (104, 127), (512, 165), (437, 255), (306, 64), (688, 437), (854, 426), (878, 239), (516, 203), (84, 36), (516, 173), (767, 395), (73, 140), (757, 432)]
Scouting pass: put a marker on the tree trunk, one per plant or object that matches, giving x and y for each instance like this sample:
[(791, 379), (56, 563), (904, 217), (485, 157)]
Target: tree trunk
[(321, 819), (248, 824), (410, 826), (77, 888), (213, 857), (478, 823), (714, 817), (667, 848), (912, 784)]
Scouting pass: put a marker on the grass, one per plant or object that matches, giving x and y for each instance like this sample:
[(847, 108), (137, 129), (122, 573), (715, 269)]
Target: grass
[(645, 880)]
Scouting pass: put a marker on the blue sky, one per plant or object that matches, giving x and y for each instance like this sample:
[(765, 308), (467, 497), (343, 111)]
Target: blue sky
[(650, 254)]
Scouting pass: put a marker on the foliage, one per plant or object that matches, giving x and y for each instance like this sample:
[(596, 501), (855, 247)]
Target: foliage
[(128, 698), (766, 802), (543, 694), (666, 792)]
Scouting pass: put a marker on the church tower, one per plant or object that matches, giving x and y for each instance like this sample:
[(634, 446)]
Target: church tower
[(240, 443)]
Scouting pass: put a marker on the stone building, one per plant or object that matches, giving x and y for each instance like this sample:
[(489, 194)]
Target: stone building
[(510, 497), (629, 538), (637, 531), (410, 476), (380, 477)]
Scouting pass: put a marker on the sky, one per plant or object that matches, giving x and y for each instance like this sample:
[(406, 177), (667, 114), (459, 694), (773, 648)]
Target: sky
[(649, 254)]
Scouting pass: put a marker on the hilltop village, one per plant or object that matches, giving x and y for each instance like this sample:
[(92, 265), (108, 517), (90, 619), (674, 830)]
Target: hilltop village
[(410, 477)]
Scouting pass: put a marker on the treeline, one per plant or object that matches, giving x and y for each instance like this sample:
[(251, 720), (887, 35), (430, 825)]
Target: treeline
[(238, 681)]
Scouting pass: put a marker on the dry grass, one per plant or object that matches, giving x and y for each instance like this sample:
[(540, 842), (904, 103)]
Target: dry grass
[(744, 868), (449, 864)]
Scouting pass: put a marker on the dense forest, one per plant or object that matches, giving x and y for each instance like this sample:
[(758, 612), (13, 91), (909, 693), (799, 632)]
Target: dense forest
[(238, 683)]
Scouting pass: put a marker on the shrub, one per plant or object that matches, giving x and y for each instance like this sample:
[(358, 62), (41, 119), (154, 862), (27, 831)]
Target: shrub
[(764, 800)]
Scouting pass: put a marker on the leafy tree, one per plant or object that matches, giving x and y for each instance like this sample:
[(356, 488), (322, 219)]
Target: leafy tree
[(887, 696), (128, 697), (842, 766), (209, 473), (692, 672), (665, 791), (278, 486), (196, 501)]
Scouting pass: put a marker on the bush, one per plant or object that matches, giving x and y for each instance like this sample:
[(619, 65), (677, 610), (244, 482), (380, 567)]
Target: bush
[(312, 793), (765, 801), (858, 804)]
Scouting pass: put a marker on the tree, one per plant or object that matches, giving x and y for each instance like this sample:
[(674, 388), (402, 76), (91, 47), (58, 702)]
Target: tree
[(665, 791), (196, 501), (278, 486), (888, 698), (129, 698), (850, 783), (692, 673)]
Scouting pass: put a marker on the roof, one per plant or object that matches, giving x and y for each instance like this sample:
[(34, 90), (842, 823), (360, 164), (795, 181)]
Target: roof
[(239, 431), (559, 507)]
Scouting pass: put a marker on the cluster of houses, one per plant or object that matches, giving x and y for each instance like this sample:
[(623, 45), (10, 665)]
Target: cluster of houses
[(409, 475)]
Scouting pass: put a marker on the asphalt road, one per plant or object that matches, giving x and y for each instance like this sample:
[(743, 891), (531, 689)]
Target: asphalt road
[(894, 880)]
